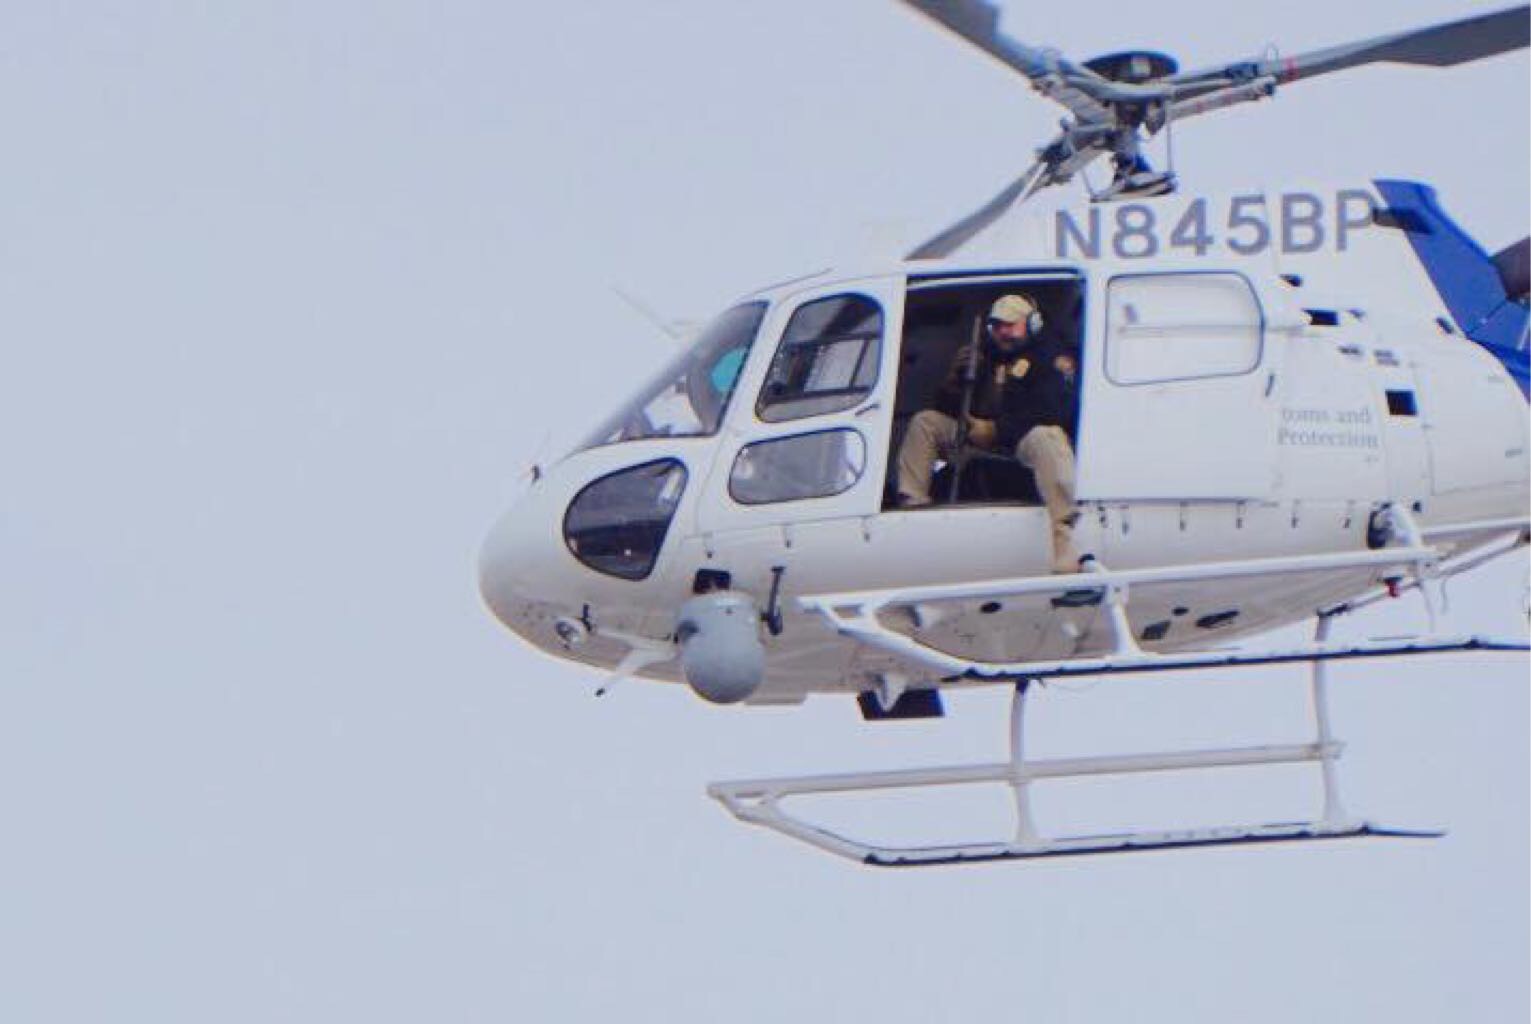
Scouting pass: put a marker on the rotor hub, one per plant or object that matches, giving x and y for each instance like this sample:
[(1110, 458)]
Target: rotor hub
[(1134, 67)]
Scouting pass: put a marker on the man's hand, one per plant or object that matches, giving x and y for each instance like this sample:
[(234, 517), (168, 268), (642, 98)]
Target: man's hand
[(981, 433)]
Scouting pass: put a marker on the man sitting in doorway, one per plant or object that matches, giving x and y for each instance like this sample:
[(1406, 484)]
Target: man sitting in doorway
[(1021, 391)]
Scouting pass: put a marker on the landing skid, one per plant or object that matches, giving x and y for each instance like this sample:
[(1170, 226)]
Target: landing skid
[(1130, 842), (761, 801)]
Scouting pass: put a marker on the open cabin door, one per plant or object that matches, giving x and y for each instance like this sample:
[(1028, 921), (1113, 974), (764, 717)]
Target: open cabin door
[(1179, 398)]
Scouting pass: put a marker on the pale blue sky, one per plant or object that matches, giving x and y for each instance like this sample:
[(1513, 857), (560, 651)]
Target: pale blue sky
[(292, 294)]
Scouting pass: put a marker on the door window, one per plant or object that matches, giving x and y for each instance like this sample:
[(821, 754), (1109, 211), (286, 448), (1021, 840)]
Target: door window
[(827, 361), (1164, 327)]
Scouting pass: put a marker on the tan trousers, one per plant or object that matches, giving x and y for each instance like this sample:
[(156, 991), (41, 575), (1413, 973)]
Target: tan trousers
[(931, 435), (1045, 451)]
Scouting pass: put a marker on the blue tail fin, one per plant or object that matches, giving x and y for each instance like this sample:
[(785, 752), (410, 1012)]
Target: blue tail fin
[(1467, 278)]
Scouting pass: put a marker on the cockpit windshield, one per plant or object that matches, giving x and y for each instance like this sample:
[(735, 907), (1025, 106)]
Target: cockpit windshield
[(687, 398)]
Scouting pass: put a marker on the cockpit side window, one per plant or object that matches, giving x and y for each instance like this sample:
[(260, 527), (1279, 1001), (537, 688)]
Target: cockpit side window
[(617, 524), (817, 465), (827, 361), (688, 397)]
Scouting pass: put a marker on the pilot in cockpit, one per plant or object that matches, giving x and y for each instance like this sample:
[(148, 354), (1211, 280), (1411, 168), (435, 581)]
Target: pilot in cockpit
[(1020, 392)]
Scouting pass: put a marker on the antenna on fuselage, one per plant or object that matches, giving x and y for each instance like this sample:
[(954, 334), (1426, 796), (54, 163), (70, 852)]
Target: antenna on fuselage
[(674, 330)]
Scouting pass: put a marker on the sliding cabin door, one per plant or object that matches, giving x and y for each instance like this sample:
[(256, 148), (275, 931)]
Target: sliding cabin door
[(1179, 391)]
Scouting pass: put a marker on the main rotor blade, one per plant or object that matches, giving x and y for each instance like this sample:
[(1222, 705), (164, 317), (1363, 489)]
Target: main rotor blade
[(1056, 164), (1052, 75), (950, 239), (1444, 45)]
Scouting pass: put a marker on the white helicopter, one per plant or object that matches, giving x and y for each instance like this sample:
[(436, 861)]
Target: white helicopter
[(1293, 404)]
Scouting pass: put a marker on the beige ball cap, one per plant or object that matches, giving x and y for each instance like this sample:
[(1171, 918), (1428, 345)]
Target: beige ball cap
[(1012, 308)]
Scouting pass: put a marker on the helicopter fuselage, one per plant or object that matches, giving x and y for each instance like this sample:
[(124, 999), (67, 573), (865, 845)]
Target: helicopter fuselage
[(1237, 401)]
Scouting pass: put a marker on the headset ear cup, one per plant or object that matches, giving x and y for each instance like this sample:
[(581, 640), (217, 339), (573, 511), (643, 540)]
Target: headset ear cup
[(1034, 323)]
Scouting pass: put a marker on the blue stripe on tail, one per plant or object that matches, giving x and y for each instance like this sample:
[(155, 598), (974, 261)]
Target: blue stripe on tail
[(1465, 277)]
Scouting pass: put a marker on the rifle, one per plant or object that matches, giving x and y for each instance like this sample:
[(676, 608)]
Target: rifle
[(969, 380)]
